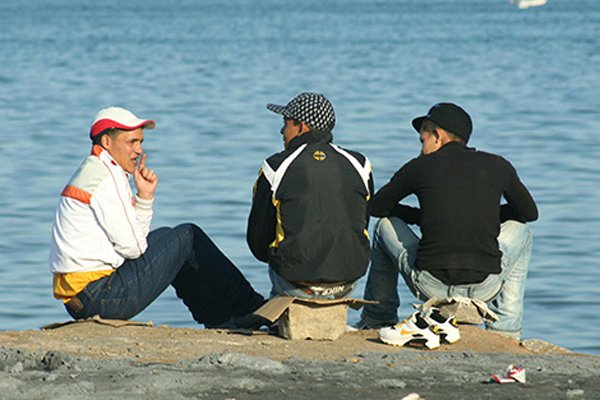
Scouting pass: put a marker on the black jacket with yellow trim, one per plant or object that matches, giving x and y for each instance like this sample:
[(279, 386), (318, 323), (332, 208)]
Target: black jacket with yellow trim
[(309, 215)]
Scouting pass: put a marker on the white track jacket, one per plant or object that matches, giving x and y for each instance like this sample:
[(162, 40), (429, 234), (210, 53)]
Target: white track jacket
[(98, 224)]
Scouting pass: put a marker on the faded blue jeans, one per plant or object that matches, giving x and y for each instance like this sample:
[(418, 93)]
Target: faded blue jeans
[(212, 288), (395, 250)]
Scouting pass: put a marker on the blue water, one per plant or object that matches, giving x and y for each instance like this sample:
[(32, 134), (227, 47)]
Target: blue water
[(204, 70)]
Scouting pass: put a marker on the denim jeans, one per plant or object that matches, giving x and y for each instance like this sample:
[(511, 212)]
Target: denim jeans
[(394, 250), (212, 288), (283, 287)]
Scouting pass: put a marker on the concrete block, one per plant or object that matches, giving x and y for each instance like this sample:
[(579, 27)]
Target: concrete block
[(313, 321)]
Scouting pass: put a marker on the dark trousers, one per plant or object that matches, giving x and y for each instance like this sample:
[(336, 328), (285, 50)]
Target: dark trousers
[(212, 288)]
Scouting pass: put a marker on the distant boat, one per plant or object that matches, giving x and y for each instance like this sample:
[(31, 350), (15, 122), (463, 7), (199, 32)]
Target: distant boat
[(523, 4)]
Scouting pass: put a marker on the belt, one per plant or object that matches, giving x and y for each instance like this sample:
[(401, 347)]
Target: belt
[(325, 289), (302, 284)]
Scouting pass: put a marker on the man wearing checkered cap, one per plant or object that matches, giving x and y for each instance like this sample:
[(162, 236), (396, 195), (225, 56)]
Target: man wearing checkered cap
[(309, 211)]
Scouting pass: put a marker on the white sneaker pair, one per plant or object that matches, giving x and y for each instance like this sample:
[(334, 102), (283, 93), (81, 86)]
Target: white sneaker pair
[(422, 327)]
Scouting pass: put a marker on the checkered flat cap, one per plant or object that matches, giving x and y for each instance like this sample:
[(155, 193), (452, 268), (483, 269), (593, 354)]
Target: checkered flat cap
[(311, 108)]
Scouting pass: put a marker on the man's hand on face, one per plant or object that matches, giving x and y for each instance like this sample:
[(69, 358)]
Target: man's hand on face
[(145, 180)]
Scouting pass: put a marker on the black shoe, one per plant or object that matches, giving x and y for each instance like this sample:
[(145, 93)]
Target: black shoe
[(229, 324), (250, 321)]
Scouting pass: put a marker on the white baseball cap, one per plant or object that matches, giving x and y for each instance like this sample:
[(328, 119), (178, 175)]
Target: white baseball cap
[(119, 118)]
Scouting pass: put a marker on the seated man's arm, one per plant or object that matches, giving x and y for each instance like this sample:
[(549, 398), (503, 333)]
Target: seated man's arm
[(408, 214), (117, 216), (371, 193), (261, 222), (385, 202), (520, 204), (143, 212)]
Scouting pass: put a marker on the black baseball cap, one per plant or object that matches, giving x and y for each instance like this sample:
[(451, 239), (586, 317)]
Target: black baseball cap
[(450, 117)]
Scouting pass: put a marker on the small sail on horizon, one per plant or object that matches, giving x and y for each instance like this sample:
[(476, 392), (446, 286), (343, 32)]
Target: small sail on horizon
[(524, 4)]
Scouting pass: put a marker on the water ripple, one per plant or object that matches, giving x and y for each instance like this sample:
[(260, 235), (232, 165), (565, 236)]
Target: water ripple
[(205, 70)]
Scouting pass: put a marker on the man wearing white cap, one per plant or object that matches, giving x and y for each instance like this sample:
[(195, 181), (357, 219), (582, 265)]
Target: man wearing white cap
[(105, 259)]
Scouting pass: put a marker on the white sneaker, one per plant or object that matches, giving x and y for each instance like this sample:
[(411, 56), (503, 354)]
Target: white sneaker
[(415, 329), (447, 327)]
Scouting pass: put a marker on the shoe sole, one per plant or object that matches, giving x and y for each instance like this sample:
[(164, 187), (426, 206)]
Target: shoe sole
[(444, 336), (421, 341)]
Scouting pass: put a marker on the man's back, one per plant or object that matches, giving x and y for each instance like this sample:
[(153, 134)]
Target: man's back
[(319, 192), (459, 191), (468, 246), (323, 211)]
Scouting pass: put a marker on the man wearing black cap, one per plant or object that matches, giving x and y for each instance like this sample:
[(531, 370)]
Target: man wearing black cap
[(470, 244), (309, 211)]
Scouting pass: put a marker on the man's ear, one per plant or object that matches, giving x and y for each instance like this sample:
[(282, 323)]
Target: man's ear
[(105, 141), (304, 127)]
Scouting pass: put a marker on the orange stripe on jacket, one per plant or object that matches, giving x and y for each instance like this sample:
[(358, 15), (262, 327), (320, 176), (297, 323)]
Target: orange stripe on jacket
[(77, 194), (96, 150)]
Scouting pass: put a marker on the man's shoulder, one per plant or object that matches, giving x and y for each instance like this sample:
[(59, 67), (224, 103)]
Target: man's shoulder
[(86, 180), (275, 160), (413, 166), (465, 153), (361, 158), (490, 157), (92, 171)]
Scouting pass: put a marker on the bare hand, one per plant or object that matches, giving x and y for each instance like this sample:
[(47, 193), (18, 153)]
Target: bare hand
[(145, 180)]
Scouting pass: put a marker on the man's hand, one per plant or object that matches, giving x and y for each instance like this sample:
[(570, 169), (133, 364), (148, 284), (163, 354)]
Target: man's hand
[(145, 180)]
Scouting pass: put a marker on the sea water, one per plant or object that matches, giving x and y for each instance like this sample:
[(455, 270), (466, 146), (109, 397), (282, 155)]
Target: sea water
[(204, 70)]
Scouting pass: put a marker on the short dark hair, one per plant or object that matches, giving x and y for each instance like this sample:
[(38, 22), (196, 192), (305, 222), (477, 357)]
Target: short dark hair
[(112, 132), (431, 126), (456, 138), (294, 121)]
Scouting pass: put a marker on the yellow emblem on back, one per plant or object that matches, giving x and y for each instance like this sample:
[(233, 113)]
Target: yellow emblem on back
[(319, 155)]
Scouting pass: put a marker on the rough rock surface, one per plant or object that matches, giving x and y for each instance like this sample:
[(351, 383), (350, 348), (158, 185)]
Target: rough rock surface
[(91, 361)]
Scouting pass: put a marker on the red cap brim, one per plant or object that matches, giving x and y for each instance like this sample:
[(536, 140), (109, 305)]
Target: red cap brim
[(104, 124)]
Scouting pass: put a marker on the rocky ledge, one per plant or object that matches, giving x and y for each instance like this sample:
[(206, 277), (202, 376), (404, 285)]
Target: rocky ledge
[(94, 361)]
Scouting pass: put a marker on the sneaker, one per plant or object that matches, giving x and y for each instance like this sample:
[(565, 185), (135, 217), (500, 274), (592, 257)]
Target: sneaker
[(447, 326), (413, 330)]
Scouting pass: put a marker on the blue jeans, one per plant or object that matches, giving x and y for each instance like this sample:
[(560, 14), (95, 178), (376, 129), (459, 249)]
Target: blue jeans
[(394, 250), (212, 288), (283, 287)]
